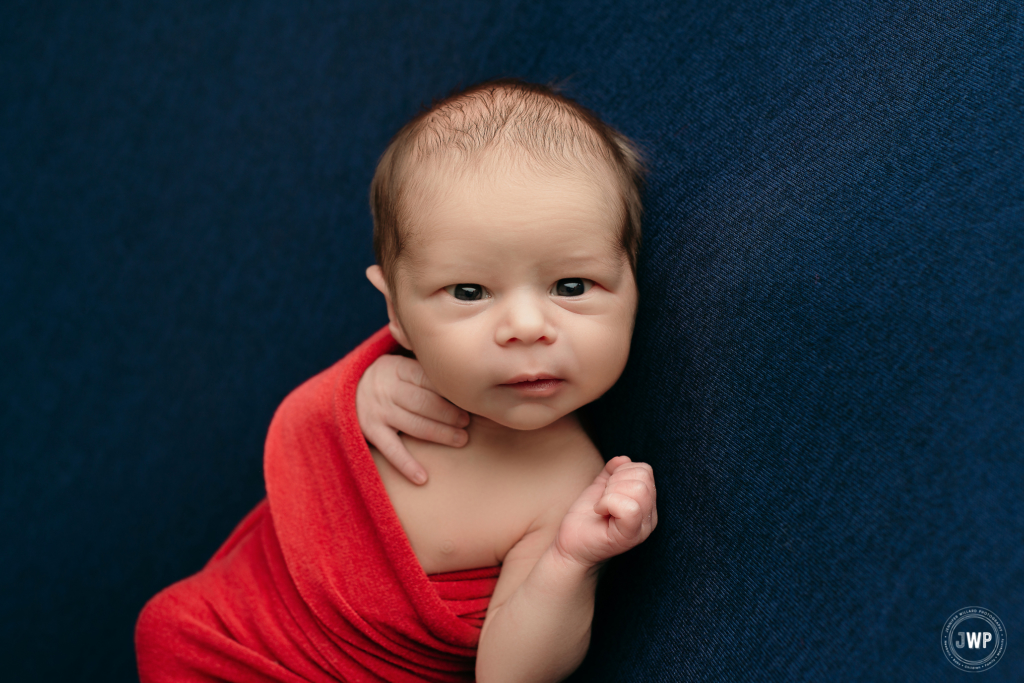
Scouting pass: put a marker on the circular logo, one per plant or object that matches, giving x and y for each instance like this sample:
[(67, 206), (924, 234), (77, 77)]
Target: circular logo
[(973, 639)]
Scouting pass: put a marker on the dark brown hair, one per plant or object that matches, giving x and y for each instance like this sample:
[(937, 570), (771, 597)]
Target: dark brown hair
[(513, 116)]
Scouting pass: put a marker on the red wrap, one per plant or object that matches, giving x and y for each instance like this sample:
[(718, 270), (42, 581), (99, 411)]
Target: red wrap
[(319, 581)]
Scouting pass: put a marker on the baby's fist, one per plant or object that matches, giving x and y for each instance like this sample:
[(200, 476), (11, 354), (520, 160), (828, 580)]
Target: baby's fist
[(615, 513)]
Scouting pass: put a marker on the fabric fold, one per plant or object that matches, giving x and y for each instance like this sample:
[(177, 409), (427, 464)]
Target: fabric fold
[(319, 582)]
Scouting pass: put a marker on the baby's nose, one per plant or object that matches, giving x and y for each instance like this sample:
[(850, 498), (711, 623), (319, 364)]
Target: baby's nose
[(525, 322)]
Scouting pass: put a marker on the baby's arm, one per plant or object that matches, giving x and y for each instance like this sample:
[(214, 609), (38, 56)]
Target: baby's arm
[(542, 631), (394, 395)]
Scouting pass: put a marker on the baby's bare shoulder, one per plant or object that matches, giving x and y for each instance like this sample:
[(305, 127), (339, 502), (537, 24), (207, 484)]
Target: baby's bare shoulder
[(569, 467), (566, 467), (582, 461)]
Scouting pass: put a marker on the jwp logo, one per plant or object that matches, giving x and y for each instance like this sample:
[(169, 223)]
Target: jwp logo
[(973, 639)]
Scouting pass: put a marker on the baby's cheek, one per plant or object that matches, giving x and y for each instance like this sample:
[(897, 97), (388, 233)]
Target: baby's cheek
[(608, 361), (460, 389)]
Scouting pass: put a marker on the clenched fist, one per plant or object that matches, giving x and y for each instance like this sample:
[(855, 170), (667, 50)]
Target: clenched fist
[(615, 513)]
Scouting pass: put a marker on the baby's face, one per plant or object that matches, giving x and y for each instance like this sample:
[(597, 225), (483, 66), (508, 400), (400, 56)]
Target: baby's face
[(513, 293)]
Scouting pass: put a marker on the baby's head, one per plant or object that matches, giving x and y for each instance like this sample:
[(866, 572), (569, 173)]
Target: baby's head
[(506, 230)]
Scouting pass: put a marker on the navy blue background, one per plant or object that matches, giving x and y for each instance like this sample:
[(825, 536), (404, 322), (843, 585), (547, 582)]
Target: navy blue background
[(828, 368)]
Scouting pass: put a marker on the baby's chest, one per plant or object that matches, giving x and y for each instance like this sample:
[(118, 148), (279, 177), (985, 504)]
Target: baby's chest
[(461, 518)]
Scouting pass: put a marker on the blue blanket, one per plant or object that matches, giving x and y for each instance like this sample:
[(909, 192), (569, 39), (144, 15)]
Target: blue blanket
[(827, 371)]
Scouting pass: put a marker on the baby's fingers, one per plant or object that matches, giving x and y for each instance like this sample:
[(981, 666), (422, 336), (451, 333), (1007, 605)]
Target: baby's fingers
[(627, 514), (428, 404), (392, 448), (410, 370), (429, 430)]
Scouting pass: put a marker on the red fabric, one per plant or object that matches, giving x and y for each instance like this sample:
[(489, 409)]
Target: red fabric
[(319, 581)]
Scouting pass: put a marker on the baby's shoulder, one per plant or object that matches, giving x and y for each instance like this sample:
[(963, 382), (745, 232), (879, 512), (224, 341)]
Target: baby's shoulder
[(563, 467), (580, 456), (551, 479)]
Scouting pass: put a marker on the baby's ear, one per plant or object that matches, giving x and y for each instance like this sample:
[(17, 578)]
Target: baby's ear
[(376, 277)]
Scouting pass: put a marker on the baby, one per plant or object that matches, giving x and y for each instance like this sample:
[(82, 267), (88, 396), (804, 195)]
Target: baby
[(506, 224), (506, 227)]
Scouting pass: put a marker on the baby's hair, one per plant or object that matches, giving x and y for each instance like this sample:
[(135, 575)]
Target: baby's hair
[(509, 116)]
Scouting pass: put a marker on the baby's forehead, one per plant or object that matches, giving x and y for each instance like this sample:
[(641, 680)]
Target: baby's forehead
[(499, 165), (493, 216), (516, 182)]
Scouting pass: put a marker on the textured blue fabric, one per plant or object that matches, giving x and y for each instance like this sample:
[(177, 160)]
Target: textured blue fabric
[(828, 369)]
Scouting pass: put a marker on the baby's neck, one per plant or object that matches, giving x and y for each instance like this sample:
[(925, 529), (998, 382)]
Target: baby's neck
[(493, 437)]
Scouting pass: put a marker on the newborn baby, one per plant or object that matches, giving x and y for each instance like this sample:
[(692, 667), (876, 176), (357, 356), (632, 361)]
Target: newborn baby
[(506, 224), (506, 227)]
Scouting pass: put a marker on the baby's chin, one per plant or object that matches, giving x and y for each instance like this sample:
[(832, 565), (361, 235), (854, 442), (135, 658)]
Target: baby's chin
[(526, 417)]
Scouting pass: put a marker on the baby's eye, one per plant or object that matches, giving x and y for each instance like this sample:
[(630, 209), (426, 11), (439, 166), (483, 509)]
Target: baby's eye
[(571, 286), (467, 292)]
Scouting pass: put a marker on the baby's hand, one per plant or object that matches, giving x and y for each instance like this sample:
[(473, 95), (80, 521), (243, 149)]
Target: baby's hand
[(614, 514), (394, 395)]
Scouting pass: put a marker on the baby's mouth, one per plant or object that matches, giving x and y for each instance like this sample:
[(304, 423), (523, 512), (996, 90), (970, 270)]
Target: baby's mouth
[(536, 385)]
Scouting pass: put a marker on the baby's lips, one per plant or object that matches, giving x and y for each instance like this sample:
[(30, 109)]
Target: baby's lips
[(529, 377)]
